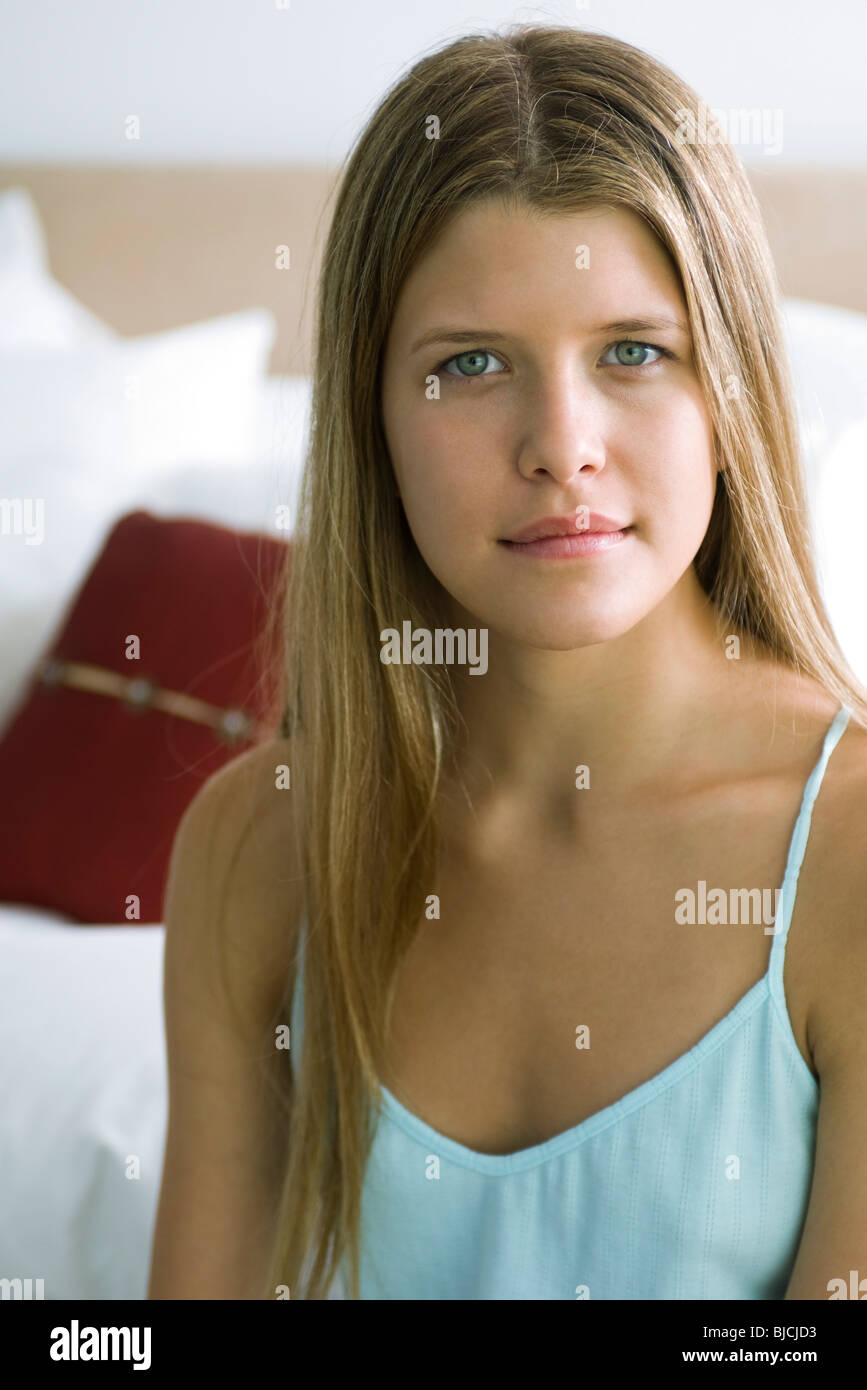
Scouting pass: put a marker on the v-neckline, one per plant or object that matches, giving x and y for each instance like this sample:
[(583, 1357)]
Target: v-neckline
[(595, 1123)]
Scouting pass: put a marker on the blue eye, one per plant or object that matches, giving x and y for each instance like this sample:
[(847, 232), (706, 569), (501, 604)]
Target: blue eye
[(472, 356), (472, 366), (631, 346)]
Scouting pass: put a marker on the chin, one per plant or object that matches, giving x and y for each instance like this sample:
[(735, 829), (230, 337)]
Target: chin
[(548, 632)]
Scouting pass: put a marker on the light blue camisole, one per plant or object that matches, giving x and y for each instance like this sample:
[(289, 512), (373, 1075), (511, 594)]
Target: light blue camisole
[(693, 1186)]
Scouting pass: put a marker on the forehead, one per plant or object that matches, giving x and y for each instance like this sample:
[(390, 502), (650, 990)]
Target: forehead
[(493, 261)]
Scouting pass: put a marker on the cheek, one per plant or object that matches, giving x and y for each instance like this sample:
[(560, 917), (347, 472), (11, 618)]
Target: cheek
[(445, 482), (676, 477)]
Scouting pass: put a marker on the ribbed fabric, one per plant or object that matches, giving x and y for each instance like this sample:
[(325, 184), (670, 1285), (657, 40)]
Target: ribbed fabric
[(693, 1186)]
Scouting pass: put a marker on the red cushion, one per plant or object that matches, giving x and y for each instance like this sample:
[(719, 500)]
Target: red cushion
[(91, 788)]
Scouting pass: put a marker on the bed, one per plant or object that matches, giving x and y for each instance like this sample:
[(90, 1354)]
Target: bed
[(95, 258)]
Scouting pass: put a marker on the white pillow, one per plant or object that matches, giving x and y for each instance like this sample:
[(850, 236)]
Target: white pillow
[(35, 311), (82, 1089), (89, 465), (244, 496), (828, 349), (122, 408), (840, 512), (74, 395)]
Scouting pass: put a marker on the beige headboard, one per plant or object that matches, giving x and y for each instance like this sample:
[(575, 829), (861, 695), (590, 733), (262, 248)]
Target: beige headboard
[(156, 247)]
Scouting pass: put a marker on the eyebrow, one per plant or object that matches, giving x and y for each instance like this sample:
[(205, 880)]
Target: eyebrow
[(474, 335)]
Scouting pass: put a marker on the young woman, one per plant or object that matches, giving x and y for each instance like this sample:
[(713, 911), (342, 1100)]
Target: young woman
[(538, 1047)]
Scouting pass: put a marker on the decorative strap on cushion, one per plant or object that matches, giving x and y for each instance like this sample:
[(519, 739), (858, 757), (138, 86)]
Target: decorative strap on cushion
[(232, 726)]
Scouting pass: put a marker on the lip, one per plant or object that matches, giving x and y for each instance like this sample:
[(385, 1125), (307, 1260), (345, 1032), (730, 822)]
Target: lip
[(569, 546), (548, 526)]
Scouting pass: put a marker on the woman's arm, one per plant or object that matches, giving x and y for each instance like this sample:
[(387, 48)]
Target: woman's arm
[(834, 1239), (231, 888)]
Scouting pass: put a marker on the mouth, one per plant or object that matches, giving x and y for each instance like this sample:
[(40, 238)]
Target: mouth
[(565, 545)]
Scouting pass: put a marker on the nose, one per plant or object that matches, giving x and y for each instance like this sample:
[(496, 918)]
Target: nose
[(563, 437)]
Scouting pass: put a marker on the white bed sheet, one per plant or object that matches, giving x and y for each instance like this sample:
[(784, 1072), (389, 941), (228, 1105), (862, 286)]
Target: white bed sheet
[(83, 1103)]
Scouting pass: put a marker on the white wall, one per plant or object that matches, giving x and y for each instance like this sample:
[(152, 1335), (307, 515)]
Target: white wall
[(293, 80)]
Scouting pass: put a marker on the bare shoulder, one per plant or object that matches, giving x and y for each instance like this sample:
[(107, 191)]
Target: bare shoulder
[(241, 791), (234, 880)]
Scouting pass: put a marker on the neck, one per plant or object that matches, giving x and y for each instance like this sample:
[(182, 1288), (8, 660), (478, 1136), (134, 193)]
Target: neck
[(634, 710)]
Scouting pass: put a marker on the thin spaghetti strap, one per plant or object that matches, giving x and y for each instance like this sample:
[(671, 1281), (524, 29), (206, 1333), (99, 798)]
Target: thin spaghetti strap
[(296, 1016), (797, 848)]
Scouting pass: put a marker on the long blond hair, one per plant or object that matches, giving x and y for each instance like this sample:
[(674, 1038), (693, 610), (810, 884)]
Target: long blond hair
[(558, 119)]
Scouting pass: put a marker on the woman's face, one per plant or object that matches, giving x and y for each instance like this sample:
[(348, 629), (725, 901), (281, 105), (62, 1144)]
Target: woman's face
[(542, 410)]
